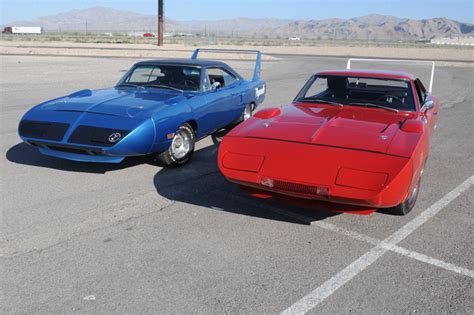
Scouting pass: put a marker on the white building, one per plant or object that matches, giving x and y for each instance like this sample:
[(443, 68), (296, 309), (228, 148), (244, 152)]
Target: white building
[(19, 30), (456, 41)]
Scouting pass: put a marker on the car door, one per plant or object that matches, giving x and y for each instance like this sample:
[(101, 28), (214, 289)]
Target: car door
[(220, 99)]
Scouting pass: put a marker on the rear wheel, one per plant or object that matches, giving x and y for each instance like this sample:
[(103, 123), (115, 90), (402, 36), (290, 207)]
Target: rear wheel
[(219, 134), (181, 148), (248, 111), (406, 206)]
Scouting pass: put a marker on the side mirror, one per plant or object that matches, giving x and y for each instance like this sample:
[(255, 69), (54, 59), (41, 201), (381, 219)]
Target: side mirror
[(427, 106)]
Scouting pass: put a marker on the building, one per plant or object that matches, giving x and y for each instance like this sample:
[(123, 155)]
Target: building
[(23, 30), (455, 41)]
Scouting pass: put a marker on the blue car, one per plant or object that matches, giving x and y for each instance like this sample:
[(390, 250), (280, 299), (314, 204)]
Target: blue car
[(159, 108)]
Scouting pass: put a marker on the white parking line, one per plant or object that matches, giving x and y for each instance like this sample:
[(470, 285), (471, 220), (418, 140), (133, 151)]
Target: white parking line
[(396, 249), (429, 260), (345, 275), (367, 239)]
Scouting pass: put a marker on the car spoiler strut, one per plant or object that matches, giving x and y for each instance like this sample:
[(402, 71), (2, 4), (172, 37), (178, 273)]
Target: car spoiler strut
[(258, 61), (432, 63)]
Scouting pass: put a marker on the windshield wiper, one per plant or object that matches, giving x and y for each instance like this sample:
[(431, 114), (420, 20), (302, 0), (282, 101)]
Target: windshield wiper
[(376, 105), (320, 100), (164, 87)]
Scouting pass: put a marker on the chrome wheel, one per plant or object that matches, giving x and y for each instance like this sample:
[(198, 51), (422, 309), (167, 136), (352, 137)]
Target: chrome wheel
[(181, 148), (247, 112), (181, 145)]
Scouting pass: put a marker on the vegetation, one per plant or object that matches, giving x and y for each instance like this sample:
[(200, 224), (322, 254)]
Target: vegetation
[(200, 40)]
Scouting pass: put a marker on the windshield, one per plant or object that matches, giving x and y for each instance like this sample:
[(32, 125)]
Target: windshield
[(359, 91), (176, 77)]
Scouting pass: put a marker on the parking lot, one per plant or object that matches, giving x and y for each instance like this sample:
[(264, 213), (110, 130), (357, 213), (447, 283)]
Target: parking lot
[(136, 238)]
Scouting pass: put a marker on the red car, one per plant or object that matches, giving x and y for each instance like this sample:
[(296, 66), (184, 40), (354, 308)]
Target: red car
[(351, 137)]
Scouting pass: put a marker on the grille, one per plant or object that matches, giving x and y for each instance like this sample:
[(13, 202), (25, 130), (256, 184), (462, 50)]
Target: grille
[(300, 188), (68, 150), (95, 136), (42, 130)]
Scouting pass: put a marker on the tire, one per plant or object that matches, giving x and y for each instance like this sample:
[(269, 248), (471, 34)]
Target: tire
[(248, 112), (181, 149), (219, 135), (406, 206)]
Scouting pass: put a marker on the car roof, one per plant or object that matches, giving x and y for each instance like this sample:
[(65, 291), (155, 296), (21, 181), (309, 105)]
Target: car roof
[(184, 61), (384, 74)]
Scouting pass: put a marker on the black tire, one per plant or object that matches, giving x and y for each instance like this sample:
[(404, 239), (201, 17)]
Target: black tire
[(219, 135), (170, 158), (407, 205)]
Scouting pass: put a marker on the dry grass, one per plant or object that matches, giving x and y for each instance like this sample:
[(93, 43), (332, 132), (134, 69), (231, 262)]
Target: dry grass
[(137, 47)]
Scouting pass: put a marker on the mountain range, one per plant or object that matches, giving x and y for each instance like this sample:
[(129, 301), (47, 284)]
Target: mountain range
[(370, 27)]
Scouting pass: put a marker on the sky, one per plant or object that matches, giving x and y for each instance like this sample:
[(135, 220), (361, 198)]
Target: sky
[(460, 10)]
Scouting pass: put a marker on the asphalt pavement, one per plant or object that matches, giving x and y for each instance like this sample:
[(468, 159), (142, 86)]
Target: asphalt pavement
[(136, 238)]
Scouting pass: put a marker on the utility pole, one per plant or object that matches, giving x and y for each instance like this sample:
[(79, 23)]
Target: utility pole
[(160, 22)]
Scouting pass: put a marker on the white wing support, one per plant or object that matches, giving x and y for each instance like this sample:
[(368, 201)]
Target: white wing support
[(432, 63)]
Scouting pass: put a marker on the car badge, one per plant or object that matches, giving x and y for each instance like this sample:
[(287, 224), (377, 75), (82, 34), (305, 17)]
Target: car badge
[(114, 137), (383, 137), (265, 125)]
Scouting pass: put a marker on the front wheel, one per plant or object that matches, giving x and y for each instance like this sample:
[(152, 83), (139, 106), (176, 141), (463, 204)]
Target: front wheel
[(181, 148), (406, 206)]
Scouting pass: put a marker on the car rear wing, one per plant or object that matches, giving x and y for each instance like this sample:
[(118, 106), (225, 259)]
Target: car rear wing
[(258, 61), (432, 63)]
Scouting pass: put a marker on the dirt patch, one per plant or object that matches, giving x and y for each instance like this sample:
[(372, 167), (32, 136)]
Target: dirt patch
[(180, 51)]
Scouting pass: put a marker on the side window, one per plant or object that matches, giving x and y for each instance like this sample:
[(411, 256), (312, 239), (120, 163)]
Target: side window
[(424, 93), (419, 93), (220, 78), (229, 79)]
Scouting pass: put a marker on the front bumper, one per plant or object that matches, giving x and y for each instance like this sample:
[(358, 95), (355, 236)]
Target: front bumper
[(317, 172), (76, 153)]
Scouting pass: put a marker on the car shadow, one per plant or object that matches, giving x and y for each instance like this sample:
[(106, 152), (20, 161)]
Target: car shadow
[(25, 154), (200, 183)]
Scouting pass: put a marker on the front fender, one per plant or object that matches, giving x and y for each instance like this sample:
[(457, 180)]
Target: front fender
[(166, 123), (138, 142)]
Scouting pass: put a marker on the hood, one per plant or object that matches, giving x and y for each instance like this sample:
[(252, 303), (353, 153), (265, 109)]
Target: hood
[(123, 102), (348, 127)]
